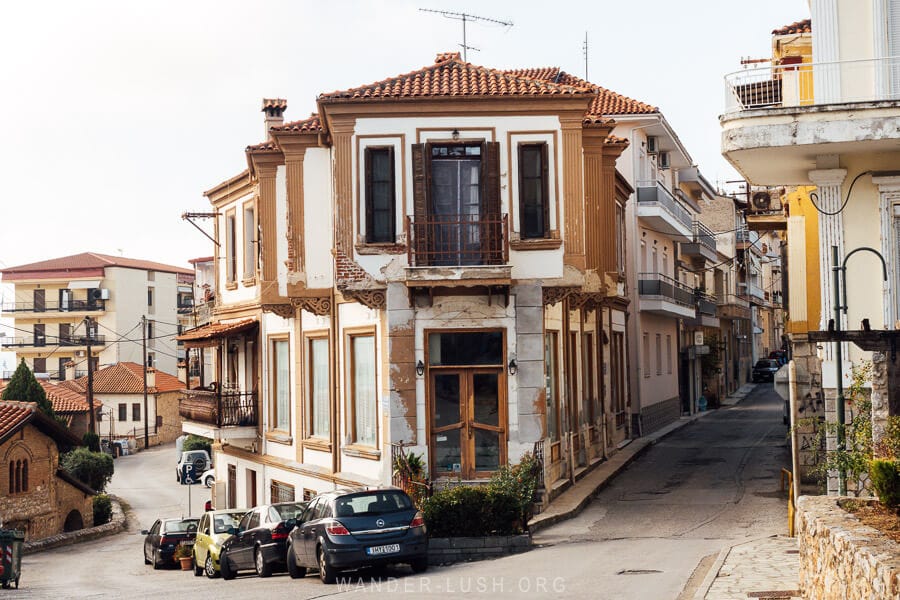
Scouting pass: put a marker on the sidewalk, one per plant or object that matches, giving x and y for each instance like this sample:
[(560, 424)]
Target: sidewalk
[(763, 568)]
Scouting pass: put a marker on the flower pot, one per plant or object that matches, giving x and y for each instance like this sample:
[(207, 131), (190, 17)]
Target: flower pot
[(187, 563)]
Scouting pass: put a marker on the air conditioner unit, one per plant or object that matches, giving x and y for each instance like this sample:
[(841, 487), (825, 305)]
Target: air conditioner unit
[(662, 160), (764, 202), (79, 353), (652, 144)]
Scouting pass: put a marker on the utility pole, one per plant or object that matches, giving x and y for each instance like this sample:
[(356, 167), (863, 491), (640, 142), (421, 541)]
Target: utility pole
[(89, 334), (144, 344), (464, 17)]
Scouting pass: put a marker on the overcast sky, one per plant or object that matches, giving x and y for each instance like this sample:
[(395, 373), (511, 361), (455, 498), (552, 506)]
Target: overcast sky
[(116, 116)]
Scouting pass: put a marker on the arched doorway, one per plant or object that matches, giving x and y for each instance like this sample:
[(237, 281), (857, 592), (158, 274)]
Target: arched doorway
[(74, 522)]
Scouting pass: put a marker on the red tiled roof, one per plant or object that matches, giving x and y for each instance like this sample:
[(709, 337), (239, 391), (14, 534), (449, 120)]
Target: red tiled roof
[(310, 125), (279, 103), (90, 261), (65, 397), (267, 146), (215, 330), (449, 76), (14, 414), (128, 378), (804, 26)]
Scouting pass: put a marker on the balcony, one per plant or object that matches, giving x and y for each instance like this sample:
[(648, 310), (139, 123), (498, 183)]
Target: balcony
[(801, 110), (752, 293), (47, 308), (733, 307), (703, 245), (665, 296), (464, 248), (707, 310), (41, 341), (209, 411), (658, 207)]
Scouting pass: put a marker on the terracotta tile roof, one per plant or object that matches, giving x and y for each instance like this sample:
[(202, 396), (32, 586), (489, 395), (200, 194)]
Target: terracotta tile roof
[(215, 330), (804, 26), (128, 378), (267, 146), (310, 125), (279, 103), (64, 398), (14, 414), (449, 76), (89, 261)]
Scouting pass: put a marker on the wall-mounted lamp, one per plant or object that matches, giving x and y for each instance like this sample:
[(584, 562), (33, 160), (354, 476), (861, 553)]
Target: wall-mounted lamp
[(455, 134), (513, 367), (420, 368)]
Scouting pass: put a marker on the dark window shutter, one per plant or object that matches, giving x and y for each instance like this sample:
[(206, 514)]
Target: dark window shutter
[(370, 201), (534, 213), (380, 195), (491, 165), (545, 183), (420, 198)]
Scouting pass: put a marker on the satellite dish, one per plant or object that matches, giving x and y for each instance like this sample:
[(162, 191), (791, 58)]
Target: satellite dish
[(761, 201)]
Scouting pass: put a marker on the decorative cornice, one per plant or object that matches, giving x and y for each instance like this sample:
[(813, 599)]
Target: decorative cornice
[(888, 183), (825, 177), (373, 298), (552, 295), (285, 311), (320, 306)]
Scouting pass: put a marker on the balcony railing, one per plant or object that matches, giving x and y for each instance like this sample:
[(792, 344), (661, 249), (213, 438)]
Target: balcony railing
[(220, 408), (52, 340), (703, 235), (70, 306), (654, 192), (706, 304), (870, 80), (656, 284), (458, 240)]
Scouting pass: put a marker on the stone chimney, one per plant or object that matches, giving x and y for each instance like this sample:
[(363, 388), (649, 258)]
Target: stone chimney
[(70, 370), (274, 109), (182, 372), (151, 377)]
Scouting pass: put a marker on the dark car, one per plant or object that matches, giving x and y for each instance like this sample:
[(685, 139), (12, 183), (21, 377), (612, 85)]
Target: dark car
[(260, 542), (354, 529), (764, 369), (164, 536), (780, 356)]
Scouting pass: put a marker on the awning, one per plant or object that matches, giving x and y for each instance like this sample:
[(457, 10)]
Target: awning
[(84, 285), (209, 335)]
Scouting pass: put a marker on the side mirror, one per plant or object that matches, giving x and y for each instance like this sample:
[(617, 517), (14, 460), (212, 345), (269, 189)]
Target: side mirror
[(233, 530), (145, 531), (290, 524)]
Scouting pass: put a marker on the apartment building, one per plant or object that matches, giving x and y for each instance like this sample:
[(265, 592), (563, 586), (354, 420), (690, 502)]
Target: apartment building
[(61, 305), (434, 263)]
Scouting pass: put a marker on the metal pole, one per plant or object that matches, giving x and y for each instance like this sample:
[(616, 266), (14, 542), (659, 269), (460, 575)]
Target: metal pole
[(795, 451), (90, 373), (838, 362), (146, 422)]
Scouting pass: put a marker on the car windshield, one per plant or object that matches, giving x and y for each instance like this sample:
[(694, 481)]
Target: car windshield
[(290, 511), (371, 503), (222, 523), (181, 525), (765, 364)]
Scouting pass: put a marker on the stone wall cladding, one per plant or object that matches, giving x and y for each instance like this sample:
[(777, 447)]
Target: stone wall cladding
[(447, 551), (115, 525), (167, 408), (842, 559), (656, 416)]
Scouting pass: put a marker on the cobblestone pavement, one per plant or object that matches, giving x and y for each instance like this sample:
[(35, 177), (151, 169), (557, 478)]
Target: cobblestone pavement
[(747, 570)]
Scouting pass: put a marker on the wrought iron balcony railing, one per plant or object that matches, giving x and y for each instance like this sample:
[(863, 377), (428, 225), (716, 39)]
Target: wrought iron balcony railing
[(654, 192), (656, 284), (703, 235), (458, 240), (52, 340), (227, 407), (48, 306)]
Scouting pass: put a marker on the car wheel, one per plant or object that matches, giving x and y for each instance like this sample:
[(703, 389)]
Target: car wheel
[(225, 567), (208, 481), (419, 565), (155, 559), (327, 573), (198, 568), (146, 560), (263, 569), (294, 570), (209, 567)]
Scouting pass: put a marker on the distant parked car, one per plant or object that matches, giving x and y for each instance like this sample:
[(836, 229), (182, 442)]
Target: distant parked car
[(199, 458), (215, 527), (208, 477), (164, 536), (261, 540), (780, 356), (764, 369), (354, 529)]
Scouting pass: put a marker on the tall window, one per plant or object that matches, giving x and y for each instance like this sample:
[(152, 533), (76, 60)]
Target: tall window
[(151, 334), (658, 354), (380, 204), (150, 307), (39, 365), (363, 394), (135, 411), (18, 476), (589, 399), (620, 237), (40, 334), (551, 384), (533, 201), (617, 379), (230, 242), (669, 354), (249, 241), (123, 412), (281, 492), (281, 385), (320, 415), (645, 348)]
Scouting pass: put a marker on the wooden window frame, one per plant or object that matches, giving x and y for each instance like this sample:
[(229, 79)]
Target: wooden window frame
[(249, 246), (669, 353), (522, 147), (230, 249), (645, 354), (617, 368), (123, 412), (273, 374), (278, 490), (311, 440), (136, 412), (553, 335), (350, 335), (659, 354), (369, 206), (589, 355)]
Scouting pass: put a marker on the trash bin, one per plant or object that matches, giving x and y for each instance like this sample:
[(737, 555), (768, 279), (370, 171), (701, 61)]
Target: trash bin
[(11, 542)]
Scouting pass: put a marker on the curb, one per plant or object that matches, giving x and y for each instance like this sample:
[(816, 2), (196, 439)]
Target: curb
[(115, 525), (713, 572)]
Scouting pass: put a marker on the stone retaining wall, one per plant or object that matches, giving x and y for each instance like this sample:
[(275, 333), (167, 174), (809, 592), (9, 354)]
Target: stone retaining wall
[(446, 551), (842, 559), (115, 525)]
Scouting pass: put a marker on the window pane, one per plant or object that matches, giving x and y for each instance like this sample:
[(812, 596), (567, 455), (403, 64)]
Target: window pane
[(487, 450), (321, 419), (487, 404), (249, 246), (282, 372), (446, 399), (466, 348), (364, 389), (447, 455), (551, 385), (531, 191), (380, 195)]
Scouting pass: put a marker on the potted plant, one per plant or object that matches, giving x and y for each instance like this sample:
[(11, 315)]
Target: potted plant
[(184, 556)]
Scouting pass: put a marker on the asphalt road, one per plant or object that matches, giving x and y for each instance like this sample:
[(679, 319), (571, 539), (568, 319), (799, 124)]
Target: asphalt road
[(710, 485)]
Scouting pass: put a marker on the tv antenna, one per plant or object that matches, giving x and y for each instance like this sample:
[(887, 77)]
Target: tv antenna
[(584, 49), (464, 17)]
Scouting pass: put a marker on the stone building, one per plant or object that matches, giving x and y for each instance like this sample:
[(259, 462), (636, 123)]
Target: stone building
[(36, 495)]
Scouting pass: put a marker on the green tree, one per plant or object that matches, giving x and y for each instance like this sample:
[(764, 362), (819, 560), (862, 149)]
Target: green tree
[(24, 387), (197, 442), (92, 468)]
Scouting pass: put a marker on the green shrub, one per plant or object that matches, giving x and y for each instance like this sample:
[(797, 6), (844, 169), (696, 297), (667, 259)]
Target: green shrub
[(520, 482), (92, 468), (472, 511), (197, 442), (91, 441), (885, 476), (102, 509)]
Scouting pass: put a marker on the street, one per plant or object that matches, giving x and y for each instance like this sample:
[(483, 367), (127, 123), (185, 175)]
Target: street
[(707, 486)]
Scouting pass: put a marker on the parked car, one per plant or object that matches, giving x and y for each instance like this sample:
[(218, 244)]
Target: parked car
[(780, 356), (164, 536), (261, 540), (764, 369), (208, 477), (354, 529), (215, 527), (199, 458)]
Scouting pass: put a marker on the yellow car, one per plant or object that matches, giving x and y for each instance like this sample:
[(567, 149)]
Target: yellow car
[(215, 527)]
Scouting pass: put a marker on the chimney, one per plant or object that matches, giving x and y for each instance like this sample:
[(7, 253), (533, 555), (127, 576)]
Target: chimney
[(151, 377), (182, 372), (70, 370), (274, 109)]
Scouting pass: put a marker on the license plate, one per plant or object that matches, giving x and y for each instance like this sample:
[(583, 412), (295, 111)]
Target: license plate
[(389, 549), (191, 543)]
